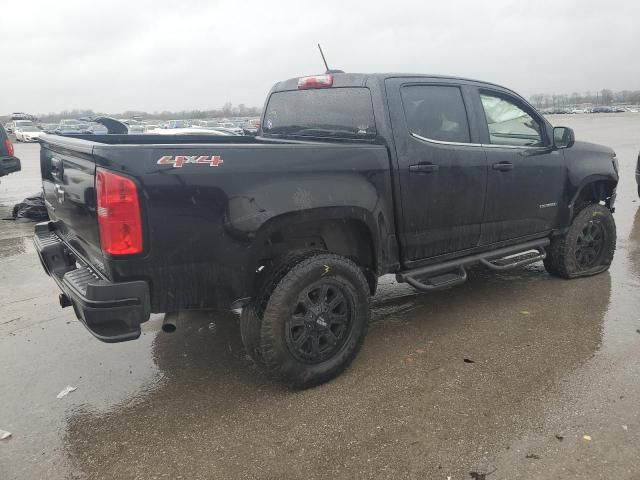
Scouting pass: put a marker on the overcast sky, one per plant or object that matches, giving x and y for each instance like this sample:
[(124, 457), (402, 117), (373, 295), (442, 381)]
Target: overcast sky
[(114, 55)]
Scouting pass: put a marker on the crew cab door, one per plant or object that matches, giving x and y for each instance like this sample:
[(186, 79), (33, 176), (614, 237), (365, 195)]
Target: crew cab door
[(442, 169), (526, 174)]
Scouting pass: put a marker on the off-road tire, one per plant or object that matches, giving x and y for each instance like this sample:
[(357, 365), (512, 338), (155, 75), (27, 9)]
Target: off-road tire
[(561, 258), (275, 346), (251, 316)]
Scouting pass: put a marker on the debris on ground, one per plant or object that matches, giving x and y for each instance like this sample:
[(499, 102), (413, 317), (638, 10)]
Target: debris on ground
[(66, 391), (468, 360), (524, 312), (4, 434), (559, 437), (624, 427), (481, 476), (533, 456), (587, 438), (31, 208)]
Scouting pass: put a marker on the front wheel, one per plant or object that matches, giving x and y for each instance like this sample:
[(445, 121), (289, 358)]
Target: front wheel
[(315, 320), (587, 247)]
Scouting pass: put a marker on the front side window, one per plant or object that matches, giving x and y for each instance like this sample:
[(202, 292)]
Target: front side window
[(436, 112), (509, 124)]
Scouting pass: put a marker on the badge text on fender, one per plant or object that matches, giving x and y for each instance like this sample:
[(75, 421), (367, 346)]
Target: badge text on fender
[(180, 160)]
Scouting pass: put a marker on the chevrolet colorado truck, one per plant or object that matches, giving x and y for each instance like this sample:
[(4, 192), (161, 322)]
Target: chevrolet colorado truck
[(351, 176)]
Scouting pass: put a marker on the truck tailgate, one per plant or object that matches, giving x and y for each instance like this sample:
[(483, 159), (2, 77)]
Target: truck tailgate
[(68, 181)]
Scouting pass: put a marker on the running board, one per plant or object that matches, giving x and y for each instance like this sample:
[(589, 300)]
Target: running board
[(453, 272)]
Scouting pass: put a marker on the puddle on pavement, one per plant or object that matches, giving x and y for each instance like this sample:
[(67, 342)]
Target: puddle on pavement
[(13, 246)]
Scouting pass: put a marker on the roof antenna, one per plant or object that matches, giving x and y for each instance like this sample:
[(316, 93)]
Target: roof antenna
[(325, 62)]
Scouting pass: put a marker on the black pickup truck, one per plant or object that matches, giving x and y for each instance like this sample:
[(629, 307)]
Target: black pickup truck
[(351, 176)]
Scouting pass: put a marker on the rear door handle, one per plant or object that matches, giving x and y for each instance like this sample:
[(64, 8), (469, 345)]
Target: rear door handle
[(503, 166), (423, 168)]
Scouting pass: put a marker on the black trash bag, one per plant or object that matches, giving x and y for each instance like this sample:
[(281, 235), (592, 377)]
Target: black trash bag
[(31, 209)]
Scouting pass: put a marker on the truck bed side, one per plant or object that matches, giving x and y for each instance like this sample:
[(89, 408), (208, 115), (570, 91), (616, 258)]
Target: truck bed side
[(208, 226)]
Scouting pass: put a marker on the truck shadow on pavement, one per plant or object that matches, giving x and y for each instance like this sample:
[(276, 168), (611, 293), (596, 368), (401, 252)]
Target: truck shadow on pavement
[(439, 375)]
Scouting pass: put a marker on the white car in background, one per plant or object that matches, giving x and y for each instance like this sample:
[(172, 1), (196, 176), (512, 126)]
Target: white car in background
[(27, 133), (189, 131)]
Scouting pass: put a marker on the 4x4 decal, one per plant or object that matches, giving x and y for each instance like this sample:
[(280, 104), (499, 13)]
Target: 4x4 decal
[(180, 160)]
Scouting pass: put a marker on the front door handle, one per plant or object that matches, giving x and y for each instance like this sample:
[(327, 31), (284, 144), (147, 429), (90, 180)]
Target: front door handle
[(503, 166), (423, 168)]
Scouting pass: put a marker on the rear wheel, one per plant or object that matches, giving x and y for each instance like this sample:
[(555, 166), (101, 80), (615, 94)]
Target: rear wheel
[(314, 321), (588, 246)]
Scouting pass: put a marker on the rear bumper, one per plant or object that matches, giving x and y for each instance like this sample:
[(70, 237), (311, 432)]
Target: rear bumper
[(112, 312), (9, 165)]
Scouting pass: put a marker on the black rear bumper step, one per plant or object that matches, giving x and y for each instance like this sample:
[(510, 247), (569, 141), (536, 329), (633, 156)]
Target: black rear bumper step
[(112, 312), (453, 272)]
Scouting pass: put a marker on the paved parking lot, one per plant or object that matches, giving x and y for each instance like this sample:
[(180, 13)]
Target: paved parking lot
[(552, 393)]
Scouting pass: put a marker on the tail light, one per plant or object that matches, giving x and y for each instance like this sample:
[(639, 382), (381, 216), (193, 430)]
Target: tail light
[(316, 81), (118, 214), (9, 146)]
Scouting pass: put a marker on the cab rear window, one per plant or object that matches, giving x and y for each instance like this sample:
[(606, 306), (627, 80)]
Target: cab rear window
[(327, 112)]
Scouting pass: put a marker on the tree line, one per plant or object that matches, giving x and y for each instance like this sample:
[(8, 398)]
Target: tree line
[(603, 97), (227, 110)]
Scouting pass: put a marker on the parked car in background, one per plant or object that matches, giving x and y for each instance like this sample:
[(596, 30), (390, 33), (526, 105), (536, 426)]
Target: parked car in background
[(71, 129), (214, 125), (27, 133), (134, 126), (97, 129), (68, 122), (9, 163), (601, 109), (48, 127), (191, 131), (178, 124), (15, 124), (230, 126), (251, 126), (8, 127)]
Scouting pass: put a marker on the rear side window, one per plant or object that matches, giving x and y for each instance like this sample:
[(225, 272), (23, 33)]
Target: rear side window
[(436, 112), (326, 112)]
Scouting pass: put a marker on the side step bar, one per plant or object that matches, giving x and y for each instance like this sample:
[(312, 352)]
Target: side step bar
[(453, 272)]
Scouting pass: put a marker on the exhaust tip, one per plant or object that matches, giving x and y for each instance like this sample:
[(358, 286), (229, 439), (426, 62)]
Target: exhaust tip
[(168, 327), (169, 324)]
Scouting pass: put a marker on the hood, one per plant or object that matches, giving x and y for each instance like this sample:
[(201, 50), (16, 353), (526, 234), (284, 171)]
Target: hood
[(593, 147)]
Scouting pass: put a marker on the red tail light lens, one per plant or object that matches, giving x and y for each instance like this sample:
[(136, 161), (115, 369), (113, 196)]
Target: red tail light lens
[(316, 81), (9, 146), (118, 214)]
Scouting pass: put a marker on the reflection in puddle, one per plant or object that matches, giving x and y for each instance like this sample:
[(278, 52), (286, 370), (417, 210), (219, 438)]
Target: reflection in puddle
[(216, 414)]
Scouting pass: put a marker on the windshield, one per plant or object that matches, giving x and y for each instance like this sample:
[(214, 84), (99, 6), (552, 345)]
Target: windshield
[(28, 128), (329, 112)]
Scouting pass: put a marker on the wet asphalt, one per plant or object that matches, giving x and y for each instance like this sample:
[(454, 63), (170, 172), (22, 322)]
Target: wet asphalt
[(553, 391)]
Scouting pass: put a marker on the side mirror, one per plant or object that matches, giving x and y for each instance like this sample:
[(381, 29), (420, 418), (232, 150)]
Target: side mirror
[(563, 137)]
